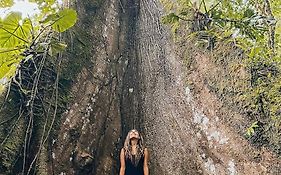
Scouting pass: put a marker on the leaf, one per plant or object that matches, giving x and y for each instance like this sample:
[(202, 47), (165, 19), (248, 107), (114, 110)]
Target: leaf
[(56, 47), (8, 69), (254, 51), (51, 17), (15, 36), (170, 18), (175, 27), (248, 13), (216, 14), (63, 20), (251, 129), (15, 31), (6, 3), (9, 54), (255, 125)]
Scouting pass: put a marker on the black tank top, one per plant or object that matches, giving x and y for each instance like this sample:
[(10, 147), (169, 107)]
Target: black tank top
[(131, 169)]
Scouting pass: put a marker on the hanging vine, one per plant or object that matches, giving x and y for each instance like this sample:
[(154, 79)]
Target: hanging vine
[(30, 57)]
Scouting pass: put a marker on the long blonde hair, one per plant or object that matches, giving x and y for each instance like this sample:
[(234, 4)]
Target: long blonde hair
[(128, 148)]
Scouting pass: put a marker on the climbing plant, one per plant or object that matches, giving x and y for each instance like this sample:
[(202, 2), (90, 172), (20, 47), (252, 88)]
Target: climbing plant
[(19, 35), (251, 26), (30, 60)]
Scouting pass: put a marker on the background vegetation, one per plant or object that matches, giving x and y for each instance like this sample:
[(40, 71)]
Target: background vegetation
[(30, 69), (243, 34)]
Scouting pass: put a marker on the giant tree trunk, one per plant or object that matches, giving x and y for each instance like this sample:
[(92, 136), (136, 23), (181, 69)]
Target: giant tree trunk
[(136, 80)]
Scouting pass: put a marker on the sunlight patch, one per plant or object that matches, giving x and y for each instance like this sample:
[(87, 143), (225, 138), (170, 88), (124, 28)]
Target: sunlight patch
[(24, 7)]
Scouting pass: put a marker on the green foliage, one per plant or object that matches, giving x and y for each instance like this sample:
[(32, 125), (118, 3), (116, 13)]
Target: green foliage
[(15, 31), (6, 3), (8, 69), (56, 47), (247, 26), (235, 16), (15, 36), (30, 48), (62, 20), (46, 6), (251, 129), (18, 35), (170, 19), (173, 20)]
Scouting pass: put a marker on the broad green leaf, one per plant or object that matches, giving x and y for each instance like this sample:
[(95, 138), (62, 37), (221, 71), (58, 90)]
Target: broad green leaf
[(51, 17), (254, 51), (8, 69), (63, 20), (6, 3), (9, 54), (56, 47), (248, 13), (170, 19), (15, 31)]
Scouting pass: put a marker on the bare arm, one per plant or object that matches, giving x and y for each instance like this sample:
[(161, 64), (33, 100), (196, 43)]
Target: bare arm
[(145, 164), (122, 162)]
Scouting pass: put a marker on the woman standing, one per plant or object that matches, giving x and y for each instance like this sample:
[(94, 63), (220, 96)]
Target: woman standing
[(134, 156)]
